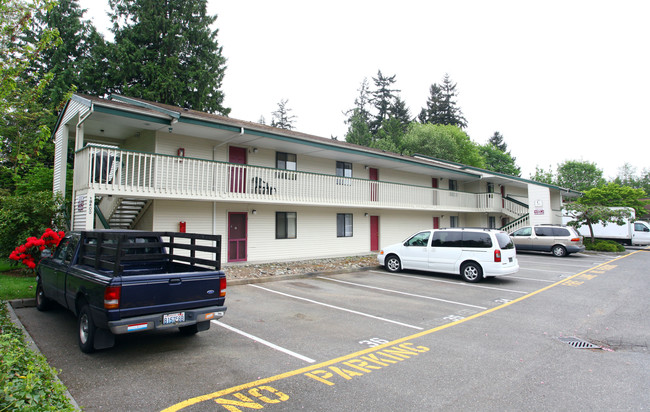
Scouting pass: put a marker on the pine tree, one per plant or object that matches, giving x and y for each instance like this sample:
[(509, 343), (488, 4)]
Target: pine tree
[(497, 141), (383, 98), (281, 117), (165, 51), (442, 106)]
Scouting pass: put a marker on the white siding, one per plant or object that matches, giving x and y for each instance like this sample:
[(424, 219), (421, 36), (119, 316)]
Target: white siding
[(539, 201)]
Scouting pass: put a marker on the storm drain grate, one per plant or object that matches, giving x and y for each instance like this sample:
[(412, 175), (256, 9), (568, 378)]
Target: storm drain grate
[(579, 343)]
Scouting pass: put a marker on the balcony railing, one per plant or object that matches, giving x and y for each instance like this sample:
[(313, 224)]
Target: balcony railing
[(128, 173)]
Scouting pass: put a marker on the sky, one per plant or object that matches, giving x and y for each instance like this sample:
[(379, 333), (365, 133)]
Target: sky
[(560, 80)]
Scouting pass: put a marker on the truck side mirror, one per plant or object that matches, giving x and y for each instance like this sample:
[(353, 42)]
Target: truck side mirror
[(46, 253)]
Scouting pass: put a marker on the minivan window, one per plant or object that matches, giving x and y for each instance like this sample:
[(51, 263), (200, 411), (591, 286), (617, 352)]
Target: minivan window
[(447, 239), (421, 239), (505, 242), (525, 231), (544, 231), (560, 231), (477, 239)]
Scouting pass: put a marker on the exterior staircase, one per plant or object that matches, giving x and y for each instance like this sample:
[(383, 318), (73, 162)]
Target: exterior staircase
[(123, 213)]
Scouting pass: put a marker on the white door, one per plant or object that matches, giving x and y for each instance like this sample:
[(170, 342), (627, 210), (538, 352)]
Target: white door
[(445, 251), (414, 253)]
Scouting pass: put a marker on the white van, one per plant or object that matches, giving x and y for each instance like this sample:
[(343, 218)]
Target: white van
[(472, 253)]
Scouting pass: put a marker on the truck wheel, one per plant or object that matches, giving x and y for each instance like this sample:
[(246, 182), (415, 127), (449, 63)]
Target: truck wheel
[(87, 329), (559, 251), (393, 264), (471, 272), (42, 302)]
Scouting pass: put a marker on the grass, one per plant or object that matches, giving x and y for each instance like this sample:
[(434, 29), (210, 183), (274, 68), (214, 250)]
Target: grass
[(14, 284)]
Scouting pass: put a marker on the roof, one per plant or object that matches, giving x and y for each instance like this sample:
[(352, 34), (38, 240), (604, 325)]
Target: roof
[(162, 115)]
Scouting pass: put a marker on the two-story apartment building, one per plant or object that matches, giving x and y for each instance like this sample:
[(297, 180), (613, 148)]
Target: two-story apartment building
[(272, 194)]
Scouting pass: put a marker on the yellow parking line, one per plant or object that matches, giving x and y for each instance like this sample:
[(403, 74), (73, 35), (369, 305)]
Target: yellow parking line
[(261, 382)]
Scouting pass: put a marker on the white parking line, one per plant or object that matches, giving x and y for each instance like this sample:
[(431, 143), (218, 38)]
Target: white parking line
[(404, 293), (464, 284), (534, 280), (339, 308), (264, 342)]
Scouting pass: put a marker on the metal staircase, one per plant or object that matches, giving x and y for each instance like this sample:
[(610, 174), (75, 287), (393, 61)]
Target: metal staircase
[(127, 213)]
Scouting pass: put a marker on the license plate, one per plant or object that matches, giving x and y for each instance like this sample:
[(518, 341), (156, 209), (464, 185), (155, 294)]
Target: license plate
[(170, 318)]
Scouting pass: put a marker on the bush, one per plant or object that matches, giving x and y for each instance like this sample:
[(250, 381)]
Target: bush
[(27, 381), (603, 245), (25, 216)]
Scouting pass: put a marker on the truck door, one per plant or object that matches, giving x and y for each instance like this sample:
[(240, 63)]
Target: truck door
[(641, 235), (54, 274)]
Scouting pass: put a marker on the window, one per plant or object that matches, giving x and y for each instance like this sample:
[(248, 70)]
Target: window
[(344, 224), (490, 187), (453, 221), (285, 225), (421, 239), (477, 240), (447, 239), (544, 231), (286, 161), (524, 231), (344, 169), (453, 184), (492, 222)]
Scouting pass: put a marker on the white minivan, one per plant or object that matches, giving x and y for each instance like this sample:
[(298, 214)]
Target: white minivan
[(472, 253)]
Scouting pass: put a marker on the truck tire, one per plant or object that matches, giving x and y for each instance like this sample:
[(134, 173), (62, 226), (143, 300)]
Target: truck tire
[(86, 328), (42, 302)]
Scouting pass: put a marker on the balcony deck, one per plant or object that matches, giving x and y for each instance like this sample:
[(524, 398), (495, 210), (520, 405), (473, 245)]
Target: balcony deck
[(134, 174)]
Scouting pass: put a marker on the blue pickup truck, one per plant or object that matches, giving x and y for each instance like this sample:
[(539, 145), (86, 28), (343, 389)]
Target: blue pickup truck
[(125, 281)]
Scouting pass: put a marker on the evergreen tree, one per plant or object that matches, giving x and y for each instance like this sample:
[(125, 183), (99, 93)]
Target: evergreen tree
[(358, 130), (383, 98), (431, 113), (497, 141), (442, 106), (401, 113), (165, 51), (70, 62), (281, 117)]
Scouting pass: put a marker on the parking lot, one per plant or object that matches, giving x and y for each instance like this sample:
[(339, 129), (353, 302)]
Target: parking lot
[(372, 340)]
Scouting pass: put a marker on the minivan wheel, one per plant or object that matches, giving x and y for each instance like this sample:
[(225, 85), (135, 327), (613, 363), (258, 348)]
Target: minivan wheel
[(559, 251), (471, 272), (393, 264)]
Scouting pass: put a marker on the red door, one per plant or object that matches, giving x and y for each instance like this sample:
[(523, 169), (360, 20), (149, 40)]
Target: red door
[(373, 175), (434, 185), (374, 233), (436, 223), (237, 236), (237, 173)]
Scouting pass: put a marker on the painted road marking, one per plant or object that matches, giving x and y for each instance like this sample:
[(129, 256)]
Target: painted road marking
[(338, 308), (463, 284), (264, 342), (533, 279), (400, 349), (401, 293)]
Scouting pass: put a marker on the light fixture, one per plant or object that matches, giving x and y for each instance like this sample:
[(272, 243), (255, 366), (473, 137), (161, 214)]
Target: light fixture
[(254, 211), (255, 150), (365, 214), (366, 167)]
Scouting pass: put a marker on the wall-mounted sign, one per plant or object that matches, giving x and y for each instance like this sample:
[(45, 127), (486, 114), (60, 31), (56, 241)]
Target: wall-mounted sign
[(539, 212)]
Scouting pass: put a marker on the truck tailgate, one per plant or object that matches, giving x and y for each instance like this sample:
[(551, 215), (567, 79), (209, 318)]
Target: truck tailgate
[(147, 294)]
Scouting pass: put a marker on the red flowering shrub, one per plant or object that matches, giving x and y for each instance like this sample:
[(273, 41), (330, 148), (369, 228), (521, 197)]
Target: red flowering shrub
[(25, 253)]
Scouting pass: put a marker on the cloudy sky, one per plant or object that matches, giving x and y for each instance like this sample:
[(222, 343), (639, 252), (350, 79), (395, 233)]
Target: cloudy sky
[(561, 80)]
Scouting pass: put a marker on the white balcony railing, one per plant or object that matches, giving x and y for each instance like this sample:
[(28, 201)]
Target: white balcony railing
[(127, 173)]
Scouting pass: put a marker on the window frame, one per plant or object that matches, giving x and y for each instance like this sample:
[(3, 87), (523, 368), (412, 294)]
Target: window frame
[(286, 225), (341, 231)]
